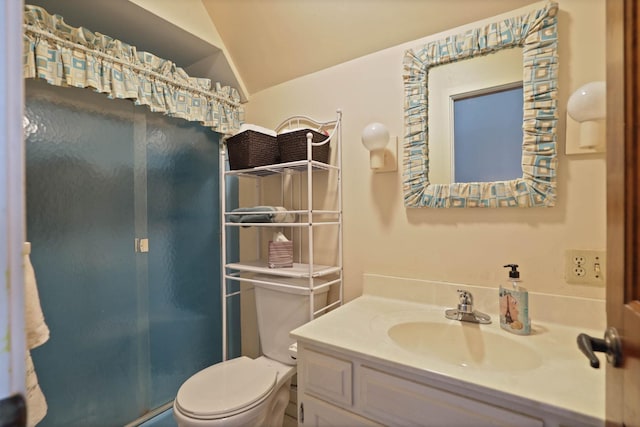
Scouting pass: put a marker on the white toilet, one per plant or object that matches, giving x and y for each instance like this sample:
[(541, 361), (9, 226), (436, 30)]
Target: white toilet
[(251, 392)]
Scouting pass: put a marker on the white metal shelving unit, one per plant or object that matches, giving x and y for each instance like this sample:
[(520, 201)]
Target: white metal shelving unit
[(301, 231)]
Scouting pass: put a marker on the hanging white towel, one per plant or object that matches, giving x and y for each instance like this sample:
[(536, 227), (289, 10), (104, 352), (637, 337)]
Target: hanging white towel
[(37, 333), (36, 403), (37, 330)]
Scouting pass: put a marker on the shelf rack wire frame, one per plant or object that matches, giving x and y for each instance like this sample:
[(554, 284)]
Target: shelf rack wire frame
[(222, 166), (285, 169), (336, 133)]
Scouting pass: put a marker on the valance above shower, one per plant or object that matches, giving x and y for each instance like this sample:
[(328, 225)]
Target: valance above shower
[(76, 57)]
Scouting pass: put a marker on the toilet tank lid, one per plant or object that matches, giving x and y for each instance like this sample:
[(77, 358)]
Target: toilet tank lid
[(225, 389), (296, 285)]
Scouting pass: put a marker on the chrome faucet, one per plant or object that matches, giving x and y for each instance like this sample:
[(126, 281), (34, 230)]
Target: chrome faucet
[(465, 311)]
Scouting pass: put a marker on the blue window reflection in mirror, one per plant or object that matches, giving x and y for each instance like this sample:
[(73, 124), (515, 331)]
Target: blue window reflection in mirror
[(535, 31), (487, 128)]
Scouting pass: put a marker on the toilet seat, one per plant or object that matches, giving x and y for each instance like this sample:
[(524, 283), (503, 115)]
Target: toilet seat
[(225, 389)]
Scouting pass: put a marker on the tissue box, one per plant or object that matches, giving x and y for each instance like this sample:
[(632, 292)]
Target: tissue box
[(280, 254)]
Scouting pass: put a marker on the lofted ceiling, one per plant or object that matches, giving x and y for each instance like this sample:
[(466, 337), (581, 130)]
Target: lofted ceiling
[(273, 41), (255, 44)]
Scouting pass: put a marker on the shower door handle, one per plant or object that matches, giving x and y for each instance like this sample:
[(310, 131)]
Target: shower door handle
[(141, 245)]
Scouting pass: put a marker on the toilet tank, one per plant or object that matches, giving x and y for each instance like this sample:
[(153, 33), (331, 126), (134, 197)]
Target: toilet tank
[(280, 310)]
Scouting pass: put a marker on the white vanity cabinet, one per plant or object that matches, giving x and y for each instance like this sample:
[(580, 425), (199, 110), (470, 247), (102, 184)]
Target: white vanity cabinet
[(352, 367), (339, 389)]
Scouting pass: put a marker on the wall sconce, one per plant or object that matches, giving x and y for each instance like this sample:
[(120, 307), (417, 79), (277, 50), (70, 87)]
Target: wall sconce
[(588, 106), (382, 157)]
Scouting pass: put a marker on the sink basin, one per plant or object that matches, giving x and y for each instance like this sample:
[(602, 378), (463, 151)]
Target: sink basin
[(466, 345)]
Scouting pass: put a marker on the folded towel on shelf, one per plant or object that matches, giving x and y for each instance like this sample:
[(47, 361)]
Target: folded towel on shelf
[(289, 130), (261, 214), (281, 215), (256, 128)]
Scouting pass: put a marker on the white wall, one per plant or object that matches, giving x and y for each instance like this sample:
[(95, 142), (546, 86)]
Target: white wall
[(192, 16), (454, 245)]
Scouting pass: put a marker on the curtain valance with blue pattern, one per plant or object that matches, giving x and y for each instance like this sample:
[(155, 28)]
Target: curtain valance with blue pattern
[(67, 56)]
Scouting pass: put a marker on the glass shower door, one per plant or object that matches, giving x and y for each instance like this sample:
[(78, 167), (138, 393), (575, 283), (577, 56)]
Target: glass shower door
[(80, 215), (127, 326), (184, 252)]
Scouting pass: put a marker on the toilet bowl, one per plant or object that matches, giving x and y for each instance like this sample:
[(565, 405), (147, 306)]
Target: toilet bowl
[(252, 392), (238, 392)]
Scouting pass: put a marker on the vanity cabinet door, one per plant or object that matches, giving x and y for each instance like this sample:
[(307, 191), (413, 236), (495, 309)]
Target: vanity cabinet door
[(316, 413), (398, 401), (327, 377)]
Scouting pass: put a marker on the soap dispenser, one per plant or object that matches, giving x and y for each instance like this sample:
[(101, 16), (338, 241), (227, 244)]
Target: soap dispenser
[(514, 304)]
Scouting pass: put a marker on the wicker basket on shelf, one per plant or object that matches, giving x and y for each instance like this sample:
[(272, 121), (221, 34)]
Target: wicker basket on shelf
[(250, 149), (293, 146)]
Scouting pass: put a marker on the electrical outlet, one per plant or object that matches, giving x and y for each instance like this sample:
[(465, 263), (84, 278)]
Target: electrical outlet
[(579, 271), (585, 267), (578, 259)]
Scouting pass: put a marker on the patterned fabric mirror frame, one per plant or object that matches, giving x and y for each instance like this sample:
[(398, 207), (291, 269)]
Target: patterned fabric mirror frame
[(536, 33)]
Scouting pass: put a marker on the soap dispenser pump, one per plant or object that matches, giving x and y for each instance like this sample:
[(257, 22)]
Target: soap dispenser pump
[(514, 304)]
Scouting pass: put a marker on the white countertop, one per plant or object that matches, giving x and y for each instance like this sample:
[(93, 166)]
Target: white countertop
[(563, 383)]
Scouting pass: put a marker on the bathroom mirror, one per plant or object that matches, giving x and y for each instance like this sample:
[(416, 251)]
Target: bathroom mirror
[(475, 119), (535, 32)]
